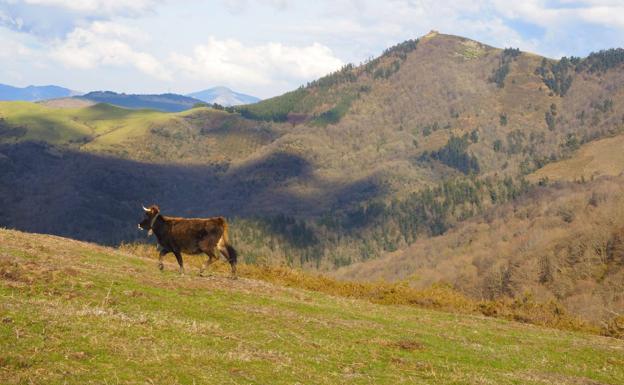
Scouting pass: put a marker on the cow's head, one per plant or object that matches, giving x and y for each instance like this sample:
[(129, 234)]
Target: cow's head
[(151, 214)]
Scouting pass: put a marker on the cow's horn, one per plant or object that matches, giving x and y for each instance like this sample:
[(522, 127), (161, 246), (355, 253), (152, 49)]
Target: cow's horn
[(146, 209)]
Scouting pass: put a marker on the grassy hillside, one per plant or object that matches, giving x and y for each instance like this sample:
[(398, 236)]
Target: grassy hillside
[(201, 135), (75, 313), (67, 103), (23, 121), (602, 157), (30, 121)]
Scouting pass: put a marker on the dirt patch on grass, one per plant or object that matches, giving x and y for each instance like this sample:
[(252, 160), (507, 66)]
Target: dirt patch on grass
[(406, 344), (409, 345), (24, 272), (560, 379)]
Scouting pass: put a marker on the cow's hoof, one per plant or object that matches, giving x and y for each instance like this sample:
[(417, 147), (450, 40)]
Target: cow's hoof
[(161, 267), (233, 277)]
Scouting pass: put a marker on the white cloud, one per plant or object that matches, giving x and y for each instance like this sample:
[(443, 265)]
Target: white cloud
[(107, 7), (605, 15), (106, 43), (363, 28), (50, 19), (10, 21), (548, 15), (230, 61), (12, 47), (239, 6)]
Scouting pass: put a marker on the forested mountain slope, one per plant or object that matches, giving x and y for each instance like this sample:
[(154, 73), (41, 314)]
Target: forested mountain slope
[(351, 166)]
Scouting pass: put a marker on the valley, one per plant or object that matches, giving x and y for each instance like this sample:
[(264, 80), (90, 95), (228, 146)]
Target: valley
[(442, 161)]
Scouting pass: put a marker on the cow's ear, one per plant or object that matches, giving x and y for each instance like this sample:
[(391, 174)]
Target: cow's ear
[(155, 209)]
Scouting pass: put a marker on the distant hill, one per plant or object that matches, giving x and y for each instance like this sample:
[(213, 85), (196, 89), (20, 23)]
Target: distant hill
[(69, 102), (162, 102), (223, 96), (34, 93)]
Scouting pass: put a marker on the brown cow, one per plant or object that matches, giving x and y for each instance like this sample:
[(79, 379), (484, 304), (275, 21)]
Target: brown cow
[(190, 236)]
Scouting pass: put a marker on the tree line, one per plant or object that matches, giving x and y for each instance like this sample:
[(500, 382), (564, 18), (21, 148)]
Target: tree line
[(372, 228)]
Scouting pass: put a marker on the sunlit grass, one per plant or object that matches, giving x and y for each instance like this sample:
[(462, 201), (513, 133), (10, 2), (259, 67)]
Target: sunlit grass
[(77, 313)]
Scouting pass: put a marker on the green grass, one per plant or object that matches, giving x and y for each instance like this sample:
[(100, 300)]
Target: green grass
[(276, 108), (76, 313), (334, 115), (100, 123), (103, 128), (43, 123), (128, 133)]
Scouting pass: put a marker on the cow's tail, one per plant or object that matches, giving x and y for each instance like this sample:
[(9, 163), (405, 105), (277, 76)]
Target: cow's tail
[(228, 251)]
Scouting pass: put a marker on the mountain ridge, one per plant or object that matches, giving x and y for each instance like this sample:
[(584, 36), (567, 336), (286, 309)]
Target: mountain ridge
[(167, 102), (34, 93), (223, 96), (55, 95)]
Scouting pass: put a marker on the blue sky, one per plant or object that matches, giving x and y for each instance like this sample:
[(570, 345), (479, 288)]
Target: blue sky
[(266, 47)]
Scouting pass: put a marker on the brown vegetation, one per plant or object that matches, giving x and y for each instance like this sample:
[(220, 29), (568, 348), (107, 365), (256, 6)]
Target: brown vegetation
[(438, 296), (562, 243)]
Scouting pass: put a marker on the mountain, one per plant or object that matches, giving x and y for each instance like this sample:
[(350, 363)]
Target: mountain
[(162, 102), (362, 144), (34, 93), (75, 312), (223, 96), (355, 166)]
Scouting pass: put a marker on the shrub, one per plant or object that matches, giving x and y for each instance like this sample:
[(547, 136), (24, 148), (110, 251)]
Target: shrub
[(557, 75), (454, 154), (500, 73)]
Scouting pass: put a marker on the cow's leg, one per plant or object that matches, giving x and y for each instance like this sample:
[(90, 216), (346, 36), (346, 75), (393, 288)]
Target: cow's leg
[(229, 254), (233, 266), (209, 261), (180, 262), (163, 252), (207, 245)]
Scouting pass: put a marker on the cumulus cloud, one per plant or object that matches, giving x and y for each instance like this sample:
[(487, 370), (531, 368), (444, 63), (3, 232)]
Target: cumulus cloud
[(363, 28), (12, 47), (54, 18), (239, 6), (227, 61), (102, 7), (231, 61), (601, 12), (10, 21), (552, 28), (106, 43)]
